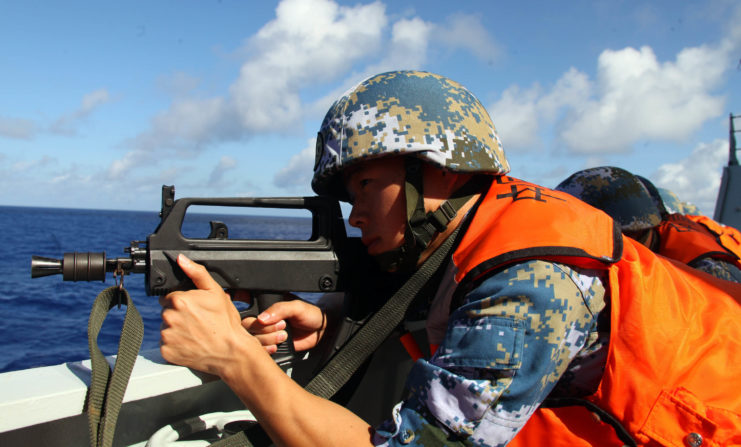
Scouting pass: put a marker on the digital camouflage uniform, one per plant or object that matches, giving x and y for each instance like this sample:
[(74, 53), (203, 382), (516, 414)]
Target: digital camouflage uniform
[(473, 391), (719, 269), (481, 389)]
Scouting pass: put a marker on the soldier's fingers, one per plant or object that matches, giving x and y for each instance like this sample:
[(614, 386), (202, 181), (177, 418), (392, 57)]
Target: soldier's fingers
[(255, 327), (273, 339), (198, 274), (286, 310)]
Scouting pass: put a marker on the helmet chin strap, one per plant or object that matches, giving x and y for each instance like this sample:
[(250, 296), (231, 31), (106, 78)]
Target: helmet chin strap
[(421, 226)]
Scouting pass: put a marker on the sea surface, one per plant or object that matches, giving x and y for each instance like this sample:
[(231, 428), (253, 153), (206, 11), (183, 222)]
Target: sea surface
[(43, 321)]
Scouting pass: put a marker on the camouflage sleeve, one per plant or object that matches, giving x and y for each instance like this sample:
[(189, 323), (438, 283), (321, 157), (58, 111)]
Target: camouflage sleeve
[(719, 269), (503, 352)]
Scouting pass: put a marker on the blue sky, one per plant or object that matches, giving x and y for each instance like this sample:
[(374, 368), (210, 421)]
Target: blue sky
[(103, 102)]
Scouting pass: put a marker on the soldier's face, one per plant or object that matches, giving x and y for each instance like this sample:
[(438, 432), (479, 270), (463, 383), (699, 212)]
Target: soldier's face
[(376, 189)]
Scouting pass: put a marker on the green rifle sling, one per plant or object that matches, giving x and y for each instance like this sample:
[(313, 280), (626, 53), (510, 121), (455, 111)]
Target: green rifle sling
[(107, 389), (370, 336)]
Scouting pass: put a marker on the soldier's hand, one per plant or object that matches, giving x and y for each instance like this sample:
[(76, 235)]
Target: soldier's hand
[(307, 321)]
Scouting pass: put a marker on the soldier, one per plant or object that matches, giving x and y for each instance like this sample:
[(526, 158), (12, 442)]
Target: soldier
[(537, 289), (640, 209)]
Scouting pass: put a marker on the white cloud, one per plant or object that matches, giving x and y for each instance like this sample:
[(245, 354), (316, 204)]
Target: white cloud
[(32, 165), (217, 173), (70, 177), (25, 129), (407, 48), (309, 41), (17, 128), (186, 128), (299, 170), (515, 117), (195, 122), (571, 91), (465, 32), (93, 100), (696, 179), (178, 84), (518, 114), (641, 98), (67, 124), (634, 97), (122, 168)]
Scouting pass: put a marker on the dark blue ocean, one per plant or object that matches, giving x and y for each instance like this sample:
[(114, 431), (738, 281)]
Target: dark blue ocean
[(43, 321)]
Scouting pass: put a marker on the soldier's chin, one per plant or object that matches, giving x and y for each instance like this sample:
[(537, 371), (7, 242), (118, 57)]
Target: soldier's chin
[(389, 260), (380, 246), (373, 247)]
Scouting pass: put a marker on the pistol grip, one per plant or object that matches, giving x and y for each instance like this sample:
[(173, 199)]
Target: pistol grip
[(285, 356)]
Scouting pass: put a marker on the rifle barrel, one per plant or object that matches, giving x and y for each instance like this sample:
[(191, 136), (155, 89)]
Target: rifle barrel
[(86, 266)]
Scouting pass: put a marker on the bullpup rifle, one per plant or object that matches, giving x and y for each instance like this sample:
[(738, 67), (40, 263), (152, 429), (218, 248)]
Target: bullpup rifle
[(269, 269)]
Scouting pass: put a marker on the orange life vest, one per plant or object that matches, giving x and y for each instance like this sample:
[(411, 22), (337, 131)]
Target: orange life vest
[(674, 360), (689, 241), (729, 237)]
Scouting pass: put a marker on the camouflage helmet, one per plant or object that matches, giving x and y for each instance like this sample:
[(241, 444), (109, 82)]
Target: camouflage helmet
[(667, 201), (673, 205), (618, 193), (406, 112)]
